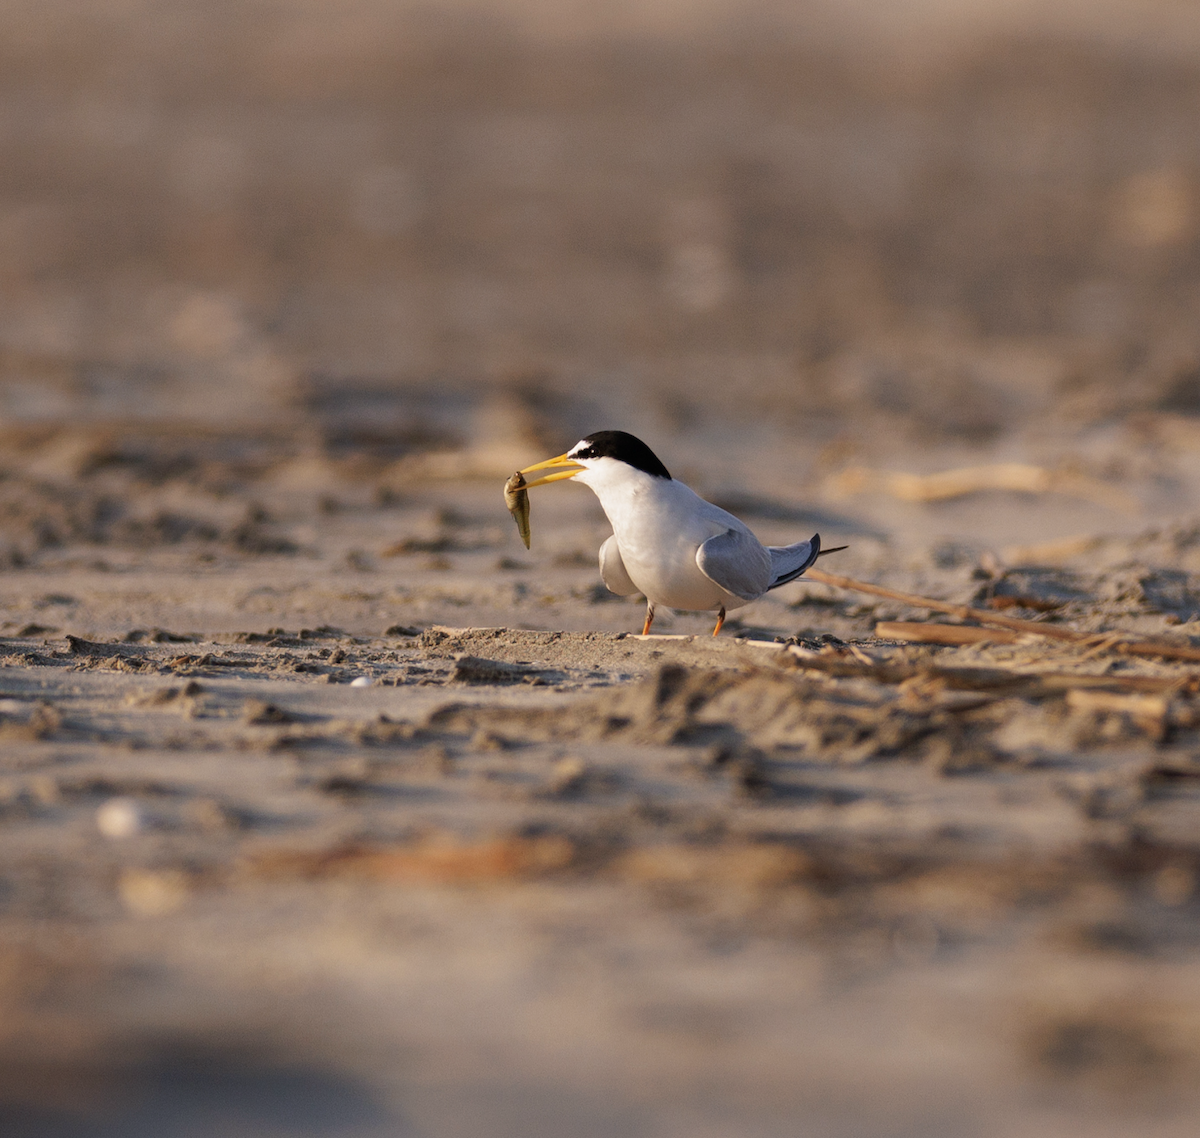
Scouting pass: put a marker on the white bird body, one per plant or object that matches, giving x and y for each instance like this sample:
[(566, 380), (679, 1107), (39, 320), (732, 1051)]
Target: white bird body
[(659, 525), (668, 543)]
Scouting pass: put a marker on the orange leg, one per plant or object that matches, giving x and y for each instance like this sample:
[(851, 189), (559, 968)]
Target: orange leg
[(649, 619), (720, 620)]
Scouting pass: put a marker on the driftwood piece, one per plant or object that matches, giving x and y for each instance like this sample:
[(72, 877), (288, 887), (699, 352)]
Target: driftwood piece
[(1112, 642), (1150, 713), (917, 632), (1001, 680)]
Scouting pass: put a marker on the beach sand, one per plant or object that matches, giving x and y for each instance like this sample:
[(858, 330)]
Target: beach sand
[(327, 808)]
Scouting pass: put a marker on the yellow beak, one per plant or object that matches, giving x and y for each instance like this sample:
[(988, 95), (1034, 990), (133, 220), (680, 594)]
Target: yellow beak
[(562, 466)]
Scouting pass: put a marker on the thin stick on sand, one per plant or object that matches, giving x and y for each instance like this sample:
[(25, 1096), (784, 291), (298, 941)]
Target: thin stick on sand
[(1001, 678), (919, 632), (1150, 648)]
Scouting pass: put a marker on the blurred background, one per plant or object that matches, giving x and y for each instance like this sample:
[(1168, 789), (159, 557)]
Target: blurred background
[(958, 216)]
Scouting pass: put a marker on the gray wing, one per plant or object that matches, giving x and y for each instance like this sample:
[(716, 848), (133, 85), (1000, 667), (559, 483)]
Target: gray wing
[(789, 561), (612, 570), (737, 562)]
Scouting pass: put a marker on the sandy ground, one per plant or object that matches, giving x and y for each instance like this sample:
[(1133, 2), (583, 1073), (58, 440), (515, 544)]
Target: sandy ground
[(327, 808)]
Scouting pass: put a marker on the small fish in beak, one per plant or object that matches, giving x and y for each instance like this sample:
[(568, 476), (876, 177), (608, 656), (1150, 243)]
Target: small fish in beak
[(516, 498)]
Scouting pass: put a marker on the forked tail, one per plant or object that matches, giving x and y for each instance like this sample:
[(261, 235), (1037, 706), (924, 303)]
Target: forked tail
[(789, 561)]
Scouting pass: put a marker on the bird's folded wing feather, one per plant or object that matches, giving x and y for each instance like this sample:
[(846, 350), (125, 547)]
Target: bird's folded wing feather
[(612, 570), (789, 561), (737, 562)]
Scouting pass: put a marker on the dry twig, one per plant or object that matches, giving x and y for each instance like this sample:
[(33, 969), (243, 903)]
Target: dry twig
[(1152, 649), (1006, 680), (952, 634)]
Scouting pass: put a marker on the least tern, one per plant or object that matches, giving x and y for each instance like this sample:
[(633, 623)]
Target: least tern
[(668, 543)]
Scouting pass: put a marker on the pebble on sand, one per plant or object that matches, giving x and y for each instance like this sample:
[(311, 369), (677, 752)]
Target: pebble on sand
[(119, 818)]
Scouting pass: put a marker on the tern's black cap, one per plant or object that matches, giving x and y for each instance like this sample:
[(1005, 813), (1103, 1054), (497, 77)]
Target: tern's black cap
[(622, 446)]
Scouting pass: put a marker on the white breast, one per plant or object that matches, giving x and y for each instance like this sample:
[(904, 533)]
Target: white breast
[(659, 524)]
